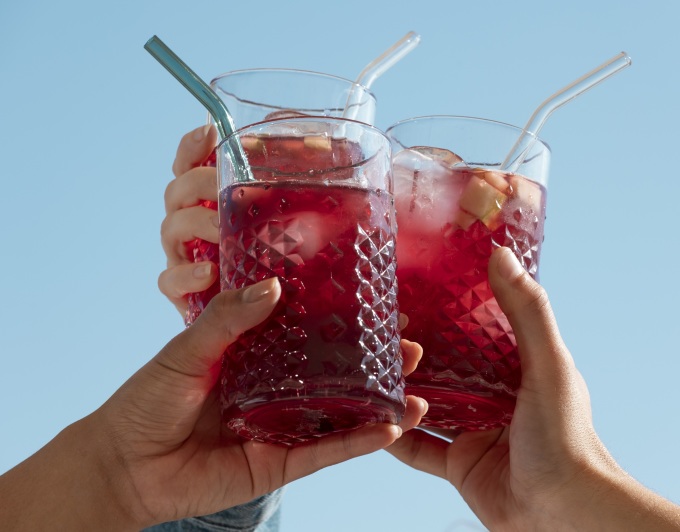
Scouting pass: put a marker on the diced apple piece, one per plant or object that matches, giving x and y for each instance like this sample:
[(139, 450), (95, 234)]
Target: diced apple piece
[(494, 178), (318, 142), (482, 201), (528, 192), (464, 219), (252, 144), (442, 156)]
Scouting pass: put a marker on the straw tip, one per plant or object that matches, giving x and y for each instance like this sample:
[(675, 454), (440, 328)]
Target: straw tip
[(413, 36), (154, 39)]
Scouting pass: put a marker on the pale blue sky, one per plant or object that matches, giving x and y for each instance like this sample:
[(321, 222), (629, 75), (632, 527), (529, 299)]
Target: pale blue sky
[(89, 124)]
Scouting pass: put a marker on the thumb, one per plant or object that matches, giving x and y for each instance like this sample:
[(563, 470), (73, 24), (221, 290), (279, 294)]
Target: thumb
[(541, 348), (198, 350)]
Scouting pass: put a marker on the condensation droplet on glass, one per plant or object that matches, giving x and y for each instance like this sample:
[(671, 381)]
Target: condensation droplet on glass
[(266, 186), (517, 215), (253, 210), (283, 205), (241, 192), (232, 218)]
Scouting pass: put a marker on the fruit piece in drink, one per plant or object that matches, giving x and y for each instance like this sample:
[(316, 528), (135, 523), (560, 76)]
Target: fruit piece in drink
[(481, 201)]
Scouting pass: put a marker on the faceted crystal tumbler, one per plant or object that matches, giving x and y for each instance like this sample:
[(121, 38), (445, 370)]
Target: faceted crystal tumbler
[(455, 205), (318, 213)]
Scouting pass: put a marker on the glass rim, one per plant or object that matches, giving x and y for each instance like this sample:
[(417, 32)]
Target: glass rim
[(289, 71), (302, 119), (424, 118)]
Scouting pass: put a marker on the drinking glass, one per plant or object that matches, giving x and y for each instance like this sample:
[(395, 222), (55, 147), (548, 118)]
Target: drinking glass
[(261, 94), (319, 215), (455, 205)]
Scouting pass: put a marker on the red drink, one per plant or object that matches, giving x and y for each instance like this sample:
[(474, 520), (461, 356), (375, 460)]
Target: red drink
[(201, 250), (451, 217), (327, 359)]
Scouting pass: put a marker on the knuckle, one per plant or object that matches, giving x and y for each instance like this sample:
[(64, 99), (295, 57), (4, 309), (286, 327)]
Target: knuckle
[(169, 194), (163, 283), (169, 286), (166, 225), (536, 298)]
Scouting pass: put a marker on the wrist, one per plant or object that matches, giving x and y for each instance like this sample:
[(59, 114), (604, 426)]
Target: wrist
[(602, 496), (107, 491), (66, 485)]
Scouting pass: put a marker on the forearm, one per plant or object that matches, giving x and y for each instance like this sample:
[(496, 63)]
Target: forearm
[(65, 486), (612, 500)]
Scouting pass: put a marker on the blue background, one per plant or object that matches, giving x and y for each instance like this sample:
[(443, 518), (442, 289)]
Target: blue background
[(89, 125)]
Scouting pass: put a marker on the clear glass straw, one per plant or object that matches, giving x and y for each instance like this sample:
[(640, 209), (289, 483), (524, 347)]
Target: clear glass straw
[(204, 94), (529, 134), (388, 59), (379, 66)]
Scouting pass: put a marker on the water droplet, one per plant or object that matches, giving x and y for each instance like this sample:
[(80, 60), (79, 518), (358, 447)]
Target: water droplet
[(254, 210), (241, 192), (232, 218), (266, 186), (283, 205)]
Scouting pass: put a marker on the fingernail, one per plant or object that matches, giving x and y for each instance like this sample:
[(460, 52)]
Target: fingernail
[(400, 431), (201, 132), (508, 265), (202, 271), (425, 405), (258, 291)]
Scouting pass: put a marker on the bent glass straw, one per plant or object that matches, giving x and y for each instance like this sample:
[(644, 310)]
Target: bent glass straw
[(387, 59), (204, 94), (524, 143), (379, 66)]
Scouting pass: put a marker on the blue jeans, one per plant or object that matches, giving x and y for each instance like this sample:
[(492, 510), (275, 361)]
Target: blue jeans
[(259, 515)]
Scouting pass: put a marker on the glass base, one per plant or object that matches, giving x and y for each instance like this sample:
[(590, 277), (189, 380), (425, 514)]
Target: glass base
[(295, 420), (464, 410)]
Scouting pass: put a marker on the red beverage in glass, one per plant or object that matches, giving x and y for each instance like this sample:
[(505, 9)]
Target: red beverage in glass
[(327, 359), (260, 94), (451, 217)]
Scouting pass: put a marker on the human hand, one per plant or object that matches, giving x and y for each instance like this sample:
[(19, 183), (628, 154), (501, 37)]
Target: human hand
[(156, 450), (187, 219), (548, 470)]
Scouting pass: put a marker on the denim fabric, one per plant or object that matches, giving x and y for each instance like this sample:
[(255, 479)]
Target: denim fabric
[(259, 515)]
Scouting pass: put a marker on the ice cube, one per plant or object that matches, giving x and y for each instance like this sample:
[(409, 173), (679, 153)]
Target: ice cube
[(442, 156), (425, 191), (528, 192), (299, 237), (415, 176)]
